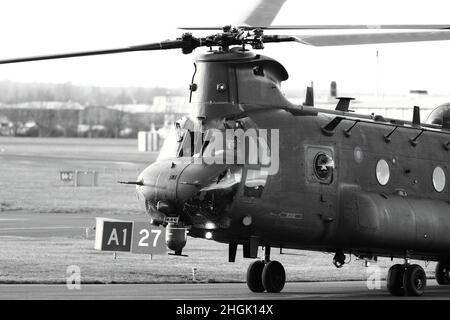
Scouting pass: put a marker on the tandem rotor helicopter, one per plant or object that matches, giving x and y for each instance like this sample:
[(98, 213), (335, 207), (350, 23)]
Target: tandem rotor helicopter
[(322, 180)]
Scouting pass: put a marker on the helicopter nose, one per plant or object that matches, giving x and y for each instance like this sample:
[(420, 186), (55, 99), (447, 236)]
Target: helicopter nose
[(159, 181), (168, 185), (188, 191), (162, 187)]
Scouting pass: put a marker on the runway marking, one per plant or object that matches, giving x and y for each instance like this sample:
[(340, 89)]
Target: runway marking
[(13, 219), (40, 228), (13, 237)]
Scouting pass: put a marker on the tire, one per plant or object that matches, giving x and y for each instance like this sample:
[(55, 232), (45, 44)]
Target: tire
[(395, 280), (443, 273), (414, 280), (254, 276), (273, 277)]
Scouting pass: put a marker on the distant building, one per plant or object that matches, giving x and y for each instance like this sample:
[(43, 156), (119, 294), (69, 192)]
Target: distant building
[(47, 105), (55, 118), (161, 104), (161, 114), (52, 118), (28, 129), (177, 105), (6, 126), (101, 122)]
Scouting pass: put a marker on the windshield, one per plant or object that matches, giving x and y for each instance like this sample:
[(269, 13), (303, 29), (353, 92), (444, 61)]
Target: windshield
[(170, 146), (184, 139), (436, 116)]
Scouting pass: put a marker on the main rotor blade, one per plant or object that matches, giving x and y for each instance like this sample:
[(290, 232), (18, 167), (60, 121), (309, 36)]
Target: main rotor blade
[(328, 40), (263, 13), (361, 27), (333, 27), (146, 47)]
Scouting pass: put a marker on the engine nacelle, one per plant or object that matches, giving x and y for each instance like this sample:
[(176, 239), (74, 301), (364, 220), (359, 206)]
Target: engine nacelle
[(176, 238)]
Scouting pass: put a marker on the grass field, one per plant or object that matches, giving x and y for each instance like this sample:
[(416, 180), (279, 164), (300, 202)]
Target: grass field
[(27, 260), (29, 182)]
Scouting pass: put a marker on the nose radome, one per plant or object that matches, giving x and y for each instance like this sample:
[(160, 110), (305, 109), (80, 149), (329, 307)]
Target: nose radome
[(175, 181), (149, 179), (160, 181)]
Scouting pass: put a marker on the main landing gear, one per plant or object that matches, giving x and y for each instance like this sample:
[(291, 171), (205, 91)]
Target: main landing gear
[(406, 280), (443, 273), (266, 275)]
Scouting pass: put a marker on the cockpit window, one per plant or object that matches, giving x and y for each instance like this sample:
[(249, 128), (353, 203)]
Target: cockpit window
[(191, 144), (436, 116), (170, 146), (255, 183), (184, 139)]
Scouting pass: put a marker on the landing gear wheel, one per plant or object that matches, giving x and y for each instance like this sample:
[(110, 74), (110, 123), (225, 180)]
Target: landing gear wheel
[(254, 276), (395, 280), (443, 273), (273, 277), (414, 280)]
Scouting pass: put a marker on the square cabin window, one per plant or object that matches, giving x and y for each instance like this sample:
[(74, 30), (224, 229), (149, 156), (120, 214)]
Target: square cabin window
[(255, 183)]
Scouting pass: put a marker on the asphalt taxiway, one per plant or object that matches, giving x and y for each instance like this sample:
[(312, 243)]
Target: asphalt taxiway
[(21, 224), (213, 291)]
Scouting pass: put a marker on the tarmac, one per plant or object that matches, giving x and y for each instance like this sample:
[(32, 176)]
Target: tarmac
[(354, 290)]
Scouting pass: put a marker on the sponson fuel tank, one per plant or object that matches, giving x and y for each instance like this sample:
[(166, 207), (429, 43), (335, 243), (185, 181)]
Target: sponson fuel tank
[(395, 220)]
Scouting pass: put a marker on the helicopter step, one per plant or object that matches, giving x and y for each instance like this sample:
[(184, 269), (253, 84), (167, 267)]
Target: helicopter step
[(266, 275), (406, 280)]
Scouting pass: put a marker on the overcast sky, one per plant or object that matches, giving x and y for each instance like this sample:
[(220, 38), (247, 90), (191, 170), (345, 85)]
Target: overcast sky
[(31, 27)]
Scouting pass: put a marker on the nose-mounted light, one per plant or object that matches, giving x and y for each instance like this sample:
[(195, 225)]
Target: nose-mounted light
[(210, 226)]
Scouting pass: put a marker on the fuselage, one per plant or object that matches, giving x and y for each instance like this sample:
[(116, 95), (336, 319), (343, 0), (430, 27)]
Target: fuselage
[(351, 209), (371, 187)]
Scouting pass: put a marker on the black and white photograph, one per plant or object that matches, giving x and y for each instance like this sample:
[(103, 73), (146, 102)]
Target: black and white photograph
[(240, 151)]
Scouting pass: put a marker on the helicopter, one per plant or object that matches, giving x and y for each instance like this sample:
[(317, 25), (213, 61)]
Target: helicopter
[(248, 167)]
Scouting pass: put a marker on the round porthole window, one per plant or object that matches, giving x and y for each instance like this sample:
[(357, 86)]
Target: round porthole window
[(323, 166), (438, 179), (383, 172)]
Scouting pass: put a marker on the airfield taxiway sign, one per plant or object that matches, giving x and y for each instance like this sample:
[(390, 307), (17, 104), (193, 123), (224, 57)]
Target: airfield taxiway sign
[(148, 239), (129, 236), (113, 235)]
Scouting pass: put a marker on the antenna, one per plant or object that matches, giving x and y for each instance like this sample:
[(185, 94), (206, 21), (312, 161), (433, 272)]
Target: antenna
[(344, 104), (377, 80), (309, 100), (416, 117), (333, 89)]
